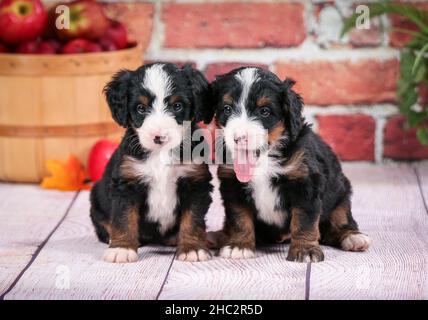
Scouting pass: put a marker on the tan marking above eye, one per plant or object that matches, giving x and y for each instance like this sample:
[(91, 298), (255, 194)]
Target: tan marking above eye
[(174, 99), (263, 101), (144, 100), (227, 99)]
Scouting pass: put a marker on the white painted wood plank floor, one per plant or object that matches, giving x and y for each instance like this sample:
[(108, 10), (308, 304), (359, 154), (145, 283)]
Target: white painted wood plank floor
[(48, 250)]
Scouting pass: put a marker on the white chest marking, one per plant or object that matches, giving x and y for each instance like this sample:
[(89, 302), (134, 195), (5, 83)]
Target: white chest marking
[(265, 197), (162, 181)]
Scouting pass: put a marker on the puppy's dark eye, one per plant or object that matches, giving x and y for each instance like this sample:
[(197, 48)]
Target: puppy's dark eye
[(141, 109), (264, 112), (178, 106), (227, 110)]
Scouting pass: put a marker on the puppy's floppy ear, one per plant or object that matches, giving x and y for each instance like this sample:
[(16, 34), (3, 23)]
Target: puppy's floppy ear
[(201, 94), (293, 107), (116, 92)]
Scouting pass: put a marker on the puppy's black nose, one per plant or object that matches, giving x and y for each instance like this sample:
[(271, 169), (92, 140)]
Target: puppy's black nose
[(158, 139), (240, 139)]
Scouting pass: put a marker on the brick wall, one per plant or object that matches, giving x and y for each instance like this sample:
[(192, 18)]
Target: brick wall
[(348, 84)]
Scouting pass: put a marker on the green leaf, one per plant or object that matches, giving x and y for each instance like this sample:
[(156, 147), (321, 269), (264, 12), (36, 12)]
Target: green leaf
[(422, 134), (420, 73), (416, 43), (407, 61), (419, 58), (416, 118), (408, 99), (403, 86)]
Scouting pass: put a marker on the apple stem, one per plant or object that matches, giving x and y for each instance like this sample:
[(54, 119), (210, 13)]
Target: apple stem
[(23, 10)]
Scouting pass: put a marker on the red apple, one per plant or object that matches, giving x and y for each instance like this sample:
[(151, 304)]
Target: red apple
[(75, 46), (28, 47), (38, 47), (87, 20), (93, 47), (99, 156), (3, 48), (21, 20), (47, 47), (80, 46), (117, 33), (107, 44), (54, 43)]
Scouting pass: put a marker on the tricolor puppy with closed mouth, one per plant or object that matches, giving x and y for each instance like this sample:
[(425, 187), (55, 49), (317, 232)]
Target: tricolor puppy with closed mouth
[(283, 183), (144, 196)]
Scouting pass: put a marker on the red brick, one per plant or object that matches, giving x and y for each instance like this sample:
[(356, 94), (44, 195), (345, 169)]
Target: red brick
[(399, 39), (137, 17), (402, 144), (367, 38), (350, 136), (234, 25), (343, 82), (215, 69)]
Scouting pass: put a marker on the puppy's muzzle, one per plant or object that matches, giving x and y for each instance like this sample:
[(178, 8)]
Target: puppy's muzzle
[(241, 140), (160, 139)]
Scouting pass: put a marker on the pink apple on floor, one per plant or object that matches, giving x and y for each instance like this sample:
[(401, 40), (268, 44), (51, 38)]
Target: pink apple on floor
[(21, 20), (99, 156)]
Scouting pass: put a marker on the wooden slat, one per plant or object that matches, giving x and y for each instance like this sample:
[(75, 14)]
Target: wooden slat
[(388, 206), (74, 249), (70, 64), (269, 276), (28, 214)]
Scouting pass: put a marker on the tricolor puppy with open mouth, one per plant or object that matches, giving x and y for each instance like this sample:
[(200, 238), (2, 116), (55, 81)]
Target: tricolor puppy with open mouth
[(145, 195), (283, 183)]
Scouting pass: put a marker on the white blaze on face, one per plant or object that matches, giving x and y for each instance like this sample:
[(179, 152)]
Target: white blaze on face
[(247, 78), (159, 122), (248, 131)]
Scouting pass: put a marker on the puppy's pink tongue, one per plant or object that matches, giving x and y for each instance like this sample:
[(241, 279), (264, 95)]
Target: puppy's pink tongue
[(243, 164)]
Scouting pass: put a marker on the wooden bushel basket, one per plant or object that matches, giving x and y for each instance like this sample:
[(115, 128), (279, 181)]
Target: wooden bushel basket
[(52, 106)]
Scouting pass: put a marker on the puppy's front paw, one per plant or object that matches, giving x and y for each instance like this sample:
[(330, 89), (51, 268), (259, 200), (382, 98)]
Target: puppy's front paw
[(356, 242), (120, 255), (230, 252), (305, 254), (194, 255)]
